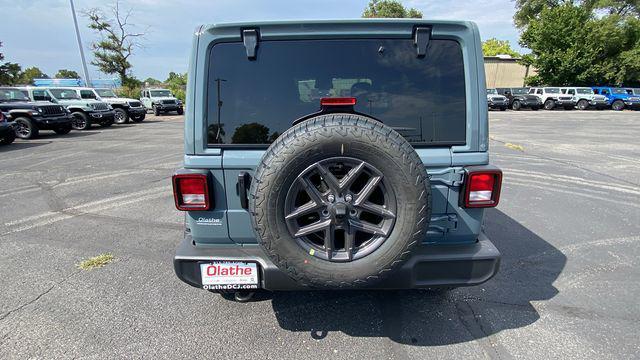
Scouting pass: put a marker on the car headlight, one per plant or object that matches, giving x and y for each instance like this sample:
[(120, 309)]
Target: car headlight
[(35, 112)]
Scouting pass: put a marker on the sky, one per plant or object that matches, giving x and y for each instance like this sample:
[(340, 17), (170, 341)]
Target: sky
[(41, 33)]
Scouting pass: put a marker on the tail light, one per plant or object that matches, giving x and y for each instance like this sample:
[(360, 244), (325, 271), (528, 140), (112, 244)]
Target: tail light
[(481, 187), (338, 101), (191, 192)]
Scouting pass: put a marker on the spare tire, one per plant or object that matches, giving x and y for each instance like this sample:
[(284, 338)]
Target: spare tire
[(340, 200)]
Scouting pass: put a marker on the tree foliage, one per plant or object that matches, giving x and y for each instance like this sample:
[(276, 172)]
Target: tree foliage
[(493, 47), (117, 42), (152, 81), (528, 10), (571, 46), (177, 83), (67, 74), (9, 72), (27, 76), (389, 9)]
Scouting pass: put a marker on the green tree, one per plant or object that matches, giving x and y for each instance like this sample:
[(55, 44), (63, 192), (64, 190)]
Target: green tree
[(9, 72), (177, 83), (117, 42), (27, 76), (571, 46), (252, 133), (528, 10), (389, 9), (67, 74), (152, 81), (493, 47), (617, 7)]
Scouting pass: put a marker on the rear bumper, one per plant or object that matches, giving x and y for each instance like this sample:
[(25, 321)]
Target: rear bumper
[(429, 266)]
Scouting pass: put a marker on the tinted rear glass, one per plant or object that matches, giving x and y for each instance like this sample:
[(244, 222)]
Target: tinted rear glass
[(422, 98)]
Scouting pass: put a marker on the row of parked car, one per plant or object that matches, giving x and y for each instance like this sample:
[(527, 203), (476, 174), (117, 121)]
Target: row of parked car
[(25, 111), (568, 98)]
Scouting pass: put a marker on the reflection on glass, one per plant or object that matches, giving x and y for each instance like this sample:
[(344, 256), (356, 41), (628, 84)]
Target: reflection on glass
[(423, 98)]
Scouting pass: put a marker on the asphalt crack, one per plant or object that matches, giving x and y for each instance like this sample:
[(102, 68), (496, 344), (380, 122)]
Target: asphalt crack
[(38, 297)]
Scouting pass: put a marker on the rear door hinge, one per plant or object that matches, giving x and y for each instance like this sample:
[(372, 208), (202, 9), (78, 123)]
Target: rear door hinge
[(449, 177), (250, 38), (457, 177), (421, 37)]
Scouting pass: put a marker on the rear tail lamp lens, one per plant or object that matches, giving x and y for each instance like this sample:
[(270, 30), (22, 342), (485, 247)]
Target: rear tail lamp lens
[(482, 188), (191, 192)]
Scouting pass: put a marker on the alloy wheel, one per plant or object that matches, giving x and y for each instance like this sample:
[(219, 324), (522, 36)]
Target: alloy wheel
[(22, 130), (340, 209)]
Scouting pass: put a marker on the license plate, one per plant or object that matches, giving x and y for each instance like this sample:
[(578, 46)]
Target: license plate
[(222, 274)]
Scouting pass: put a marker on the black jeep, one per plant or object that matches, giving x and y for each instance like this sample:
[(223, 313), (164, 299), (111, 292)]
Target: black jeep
[(31, 117), (519, 98)]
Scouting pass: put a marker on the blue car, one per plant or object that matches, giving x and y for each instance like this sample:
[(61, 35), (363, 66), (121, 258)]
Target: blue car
[(619, 98)]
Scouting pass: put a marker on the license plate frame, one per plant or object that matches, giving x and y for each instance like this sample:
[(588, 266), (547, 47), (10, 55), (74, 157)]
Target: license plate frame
[(229, 275)]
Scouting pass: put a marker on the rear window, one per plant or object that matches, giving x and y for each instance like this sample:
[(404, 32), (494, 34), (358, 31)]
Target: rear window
[(421, 98)]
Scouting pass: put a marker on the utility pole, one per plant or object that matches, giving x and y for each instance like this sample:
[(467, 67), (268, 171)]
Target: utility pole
[(84, 62), (218, 81)]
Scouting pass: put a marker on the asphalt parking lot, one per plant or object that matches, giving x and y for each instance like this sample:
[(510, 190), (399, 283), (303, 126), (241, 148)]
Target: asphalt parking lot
[(567, 226)]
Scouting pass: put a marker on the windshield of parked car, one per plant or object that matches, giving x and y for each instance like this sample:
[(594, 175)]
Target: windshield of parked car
[(585, 91), (636, 91), (552, 90), (519, 91), (161, 93), (106, 93), (492, 91), (619, 91), (10, 95), (65, 94), (423, 98)]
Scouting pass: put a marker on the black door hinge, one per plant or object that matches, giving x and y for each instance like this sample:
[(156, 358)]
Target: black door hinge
[(421, 37), (250, 38)]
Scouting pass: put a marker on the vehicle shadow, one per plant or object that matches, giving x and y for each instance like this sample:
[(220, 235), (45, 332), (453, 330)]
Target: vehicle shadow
[(529, 267), (44, 135), (20, 145)]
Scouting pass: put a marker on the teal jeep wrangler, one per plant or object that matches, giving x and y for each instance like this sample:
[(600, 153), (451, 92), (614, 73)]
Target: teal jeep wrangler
[(336, 155)]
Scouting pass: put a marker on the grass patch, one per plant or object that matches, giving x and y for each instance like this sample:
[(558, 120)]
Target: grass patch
[(96, 262), (514, 147)]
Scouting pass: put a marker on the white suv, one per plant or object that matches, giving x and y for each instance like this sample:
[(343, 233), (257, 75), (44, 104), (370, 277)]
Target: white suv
[(496, 101), (552, 97), (584, 97), (123, 108)]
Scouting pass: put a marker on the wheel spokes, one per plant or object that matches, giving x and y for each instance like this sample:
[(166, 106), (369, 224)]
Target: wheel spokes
[(328, 240), (324, 213), (332, 182), (367, 227), (366, 191), (312, 228), (311, 190), (351, 176), (377, 210), (303, 210)]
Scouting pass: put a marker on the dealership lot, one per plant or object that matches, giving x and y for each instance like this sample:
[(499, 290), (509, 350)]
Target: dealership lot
[(567, 227)]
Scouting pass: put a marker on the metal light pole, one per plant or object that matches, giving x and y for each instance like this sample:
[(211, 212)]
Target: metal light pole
[(84, 62)]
